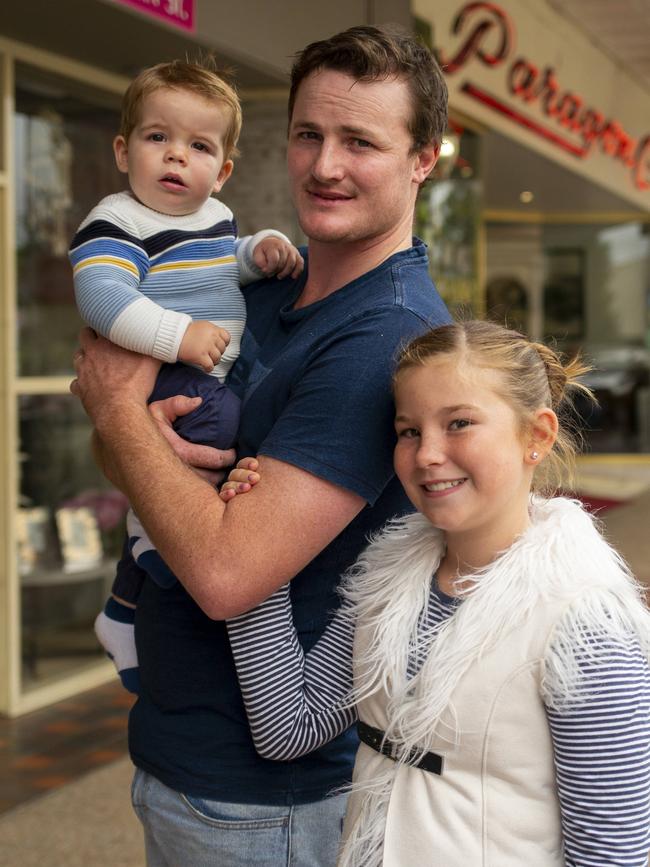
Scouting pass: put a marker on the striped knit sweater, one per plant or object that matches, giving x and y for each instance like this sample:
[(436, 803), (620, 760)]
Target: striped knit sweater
[(601, 744), (141, 277)]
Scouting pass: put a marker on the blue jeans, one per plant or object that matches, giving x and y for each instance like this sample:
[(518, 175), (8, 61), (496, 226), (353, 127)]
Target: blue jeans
[(181, 831)]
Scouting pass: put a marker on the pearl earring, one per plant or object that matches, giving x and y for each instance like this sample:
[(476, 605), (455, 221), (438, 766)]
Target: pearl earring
[(534, 456)]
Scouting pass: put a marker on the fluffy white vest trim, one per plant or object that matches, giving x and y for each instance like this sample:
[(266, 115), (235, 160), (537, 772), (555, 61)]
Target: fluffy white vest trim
[(561, 557)]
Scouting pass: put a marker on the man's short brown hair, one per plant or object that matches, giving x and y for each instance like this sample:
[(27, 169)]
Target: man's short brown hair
[(200, 77), (371, 53)]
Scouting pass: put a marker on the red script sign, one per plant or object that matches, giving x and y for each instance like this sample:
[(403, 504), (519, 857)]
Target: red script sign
[(578, 127), (178, 13)]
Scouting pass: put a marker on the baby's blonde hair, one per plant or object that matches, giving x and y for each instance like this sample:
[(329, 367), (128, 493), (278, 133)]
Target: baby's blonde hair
[(201, 77), (533, 376)]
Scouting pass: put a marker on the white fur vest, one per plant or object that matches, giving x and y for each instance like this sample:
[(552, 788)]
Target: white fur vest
[(478, 699)]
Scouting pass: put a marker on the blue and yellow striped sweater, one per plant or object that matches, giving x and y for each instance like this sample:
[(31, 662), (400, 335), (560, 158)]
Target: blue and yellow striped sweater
[(141, 277)]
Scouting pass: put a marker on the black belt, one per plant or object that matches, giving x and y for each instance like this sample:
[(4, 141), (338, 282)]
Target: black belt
[(376, 739)]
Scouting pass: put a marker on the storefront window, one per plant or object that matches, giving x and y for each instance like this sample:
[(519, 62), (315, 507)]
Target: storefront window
[(602, 290), (70, 528), (69, 523), (586, 288), (448, 219), (64, 166)]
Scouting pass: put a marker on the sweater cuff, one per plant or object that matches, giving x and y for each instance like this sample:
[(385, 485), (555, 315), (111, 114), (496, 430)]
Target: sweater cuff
[(170, 334), (146, 327), (248, 270)]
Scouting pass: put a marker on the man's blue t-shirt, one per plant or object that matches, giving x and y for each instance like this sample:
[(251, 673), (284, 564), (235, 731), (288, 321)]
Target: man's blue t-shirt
[(315, 389)]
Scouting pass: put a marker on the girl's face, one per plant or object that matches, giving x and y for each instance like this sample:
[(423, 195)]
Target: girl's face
[(461, 455)]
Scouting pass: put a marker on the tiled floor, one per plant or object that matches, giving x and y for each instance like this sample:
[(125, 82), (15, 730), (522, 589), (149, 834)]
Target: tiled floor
[(48, 748)]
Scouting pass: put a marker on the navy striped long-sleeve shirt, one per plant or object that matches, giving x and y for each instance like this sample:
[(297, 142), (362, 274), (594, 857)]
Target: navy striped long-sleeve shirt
[(296, 702)]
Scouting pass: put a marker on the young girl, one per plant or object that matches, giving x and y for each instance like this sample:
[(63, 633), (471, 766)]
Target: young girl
[(499, 663)]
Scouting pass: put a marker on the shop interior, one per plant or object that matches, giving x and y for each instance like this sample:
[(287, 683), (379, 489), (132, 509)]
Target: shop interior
[(521, 239)]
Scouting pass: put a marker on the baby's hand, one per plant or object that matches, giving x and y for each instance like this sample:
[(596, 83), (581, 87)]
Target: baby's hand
[(276, 256), (203, 344), (241, 479)]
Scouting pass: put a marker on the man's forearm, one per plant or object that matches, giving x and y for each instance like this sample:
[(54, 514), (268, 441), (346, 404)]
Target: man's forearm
[(106, 466), (182, 513), (229, 557), (162, 490)]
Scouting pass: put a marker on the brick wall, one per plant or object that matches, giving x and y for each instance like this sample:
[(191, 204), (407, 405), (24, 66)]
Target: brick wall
[(258, 191)]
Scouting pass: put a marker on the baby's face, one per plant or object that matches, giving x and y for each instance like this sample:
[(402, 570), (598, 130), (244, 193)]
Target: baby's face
[(174, 157)]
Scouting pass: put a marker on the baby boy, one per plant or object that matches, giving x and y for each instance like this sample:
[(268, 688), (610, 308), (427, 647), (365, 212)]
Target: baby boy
[(158, 271)]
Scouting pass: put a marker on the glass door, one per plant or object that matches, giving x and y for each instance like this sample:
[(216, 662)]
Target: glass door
[(69, 522), (63, 522)]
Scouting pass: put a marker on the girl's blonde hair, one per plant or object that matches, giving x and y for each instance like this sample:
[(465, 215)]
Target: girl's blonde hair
[(533, 376)]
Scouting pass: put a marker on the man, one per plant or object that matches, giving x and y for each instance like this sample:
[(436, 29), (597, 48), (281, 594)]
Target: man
[(367, 112)]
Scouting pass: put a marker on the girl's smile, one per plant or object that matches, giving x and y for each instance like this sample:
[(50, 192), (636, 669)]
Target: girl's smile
[(442, 487)]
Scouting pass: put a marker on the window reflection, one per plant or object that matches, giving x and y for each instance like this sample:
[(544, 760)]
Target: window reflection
[(64, 166), (70, 528), (584, 287), (447, 218)]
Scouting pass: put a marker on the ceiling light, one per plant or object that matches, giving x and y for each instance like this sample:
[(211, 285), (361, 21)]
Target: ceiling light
[(526, 197), (448, 147)]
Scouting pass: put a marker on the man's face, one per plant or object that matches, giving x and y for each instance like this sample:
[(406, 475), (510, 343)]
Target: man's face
[(353, 176)]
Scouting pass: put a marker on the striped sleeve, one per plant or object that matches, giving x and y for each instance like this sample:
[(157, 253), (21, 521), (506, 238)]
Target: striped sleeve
[(109, 261), (295, 702), (108, 264), (602, 757)]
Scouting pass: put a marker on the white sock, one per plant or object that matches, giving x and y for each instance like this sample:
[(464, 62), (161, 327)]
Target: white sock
[(118, 640)]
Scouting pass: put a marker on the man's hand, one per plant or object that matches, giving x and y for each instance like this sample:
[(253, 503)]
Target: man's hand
[(203, 344), (208, 462), (107, 374), (241, 479), (275, 256)]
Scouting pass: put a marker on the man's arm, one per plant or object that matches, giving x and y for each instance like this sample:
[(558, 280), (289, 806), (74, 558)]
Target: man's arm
[(228, 557)]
